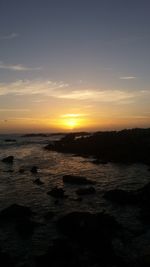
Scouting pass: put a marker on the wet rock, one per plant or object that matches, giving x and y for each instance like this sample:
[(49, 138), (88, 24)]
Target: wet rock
[(8, 159), (79, 180), (25, 227), (86, 191), (21, 170), (122, 197), (62, 253), (98, 161), (38, 182), (92, 232), (15, 212), (56, 192), (10, 140), (34, 169), (6, 260), (49, 215)]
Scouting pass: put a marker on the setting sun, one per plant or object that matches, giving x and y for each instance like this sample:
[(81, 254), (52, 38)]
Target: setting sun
[(71, 123)]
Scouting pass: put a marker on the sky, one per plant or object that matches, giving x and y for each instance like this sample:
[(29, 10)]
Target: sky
[(74, 65)]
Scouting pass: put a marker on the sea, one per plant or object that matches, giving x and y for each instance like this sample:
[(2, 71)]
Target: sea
[(20, 188)]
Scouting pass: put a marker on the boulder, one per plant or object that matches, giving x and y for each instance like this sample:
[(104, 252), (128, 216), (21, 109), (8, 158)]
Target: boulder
[(92, 232), (15, 212), (38, 182), (56, 192), (122, 197), (34, 169), (8, 159), (79, 180), (86, 191)]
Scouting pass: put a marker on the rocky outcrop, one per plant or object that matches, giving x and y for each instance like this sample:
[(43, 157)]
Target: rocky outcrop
[(79, 180), (9, 159), (57, 192), (86, 191)]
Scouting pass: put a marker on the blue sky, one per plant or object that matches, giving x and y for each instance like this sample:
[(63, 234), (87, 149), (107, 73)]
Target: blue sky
[(89, 58)]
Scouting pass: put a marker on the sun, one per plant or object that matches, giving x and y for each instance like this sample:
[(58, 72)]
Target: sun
[(71, 123)]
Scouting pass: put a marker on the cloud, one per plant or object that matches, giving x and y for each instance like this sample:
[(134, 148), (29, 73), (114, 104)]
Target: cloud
[(74, 115), (27, 87), (16, 67), (9, 36), (62, 90), (14, 109), (128, 77)]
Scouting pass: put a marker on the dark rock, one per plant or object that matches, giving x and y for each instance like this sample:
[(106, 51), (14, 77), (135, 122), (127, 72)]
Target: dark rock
[(25, 227), (79, 180), (49, 215), (56, 192), (62, 253), (122, 197), (15, 212), (10, 140), (98, 161), (8, 159), (34, 169), (92, 232), (21, 170), (86, 191), (38, 182), (6, 260)]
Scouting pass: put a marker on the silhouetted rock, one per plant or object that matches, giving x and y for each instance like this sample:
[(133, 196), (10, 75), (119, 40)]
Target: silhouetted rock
[(15, 212), (49, 215), (6, 260), (57, 192), (62, 253), (126, 146), (21, 170), (38, 182), (86, 191), (98, 161), (8, 159), (10, 140), (34, 169), (122, 197), (79, 180), (25, 227), (92, 232)]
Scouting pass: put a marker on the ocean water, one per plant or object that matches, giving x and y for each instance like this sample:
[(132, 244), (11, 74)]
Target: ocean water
[(16, 187)]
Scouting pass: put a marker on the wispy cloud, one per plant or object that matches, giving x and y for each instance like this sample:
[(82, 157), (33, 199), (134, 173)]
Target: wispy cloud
[(62, 90), (27, 87), (128, 77), (16, 67), (9, 36), (14, 109), (74, 115)]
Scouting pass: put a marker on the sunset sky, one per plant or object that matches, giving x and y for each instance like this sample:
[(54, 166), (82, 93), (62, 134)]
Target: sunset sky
[(74, 65)]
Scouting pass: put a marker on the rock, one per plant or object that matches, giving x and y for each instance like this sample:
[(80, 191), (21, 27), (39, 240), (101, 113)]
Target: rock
[(79, 180), (21, 170), (56, 192), (121, 197), (98, 161), (8, 159), (61, 253), (10, 140), (34, 169), (49, 215), (26, 227), (15, 212), (38, 182), (6, 260), (92, 232), (86, 191)]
